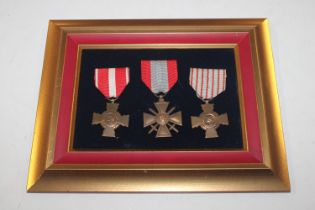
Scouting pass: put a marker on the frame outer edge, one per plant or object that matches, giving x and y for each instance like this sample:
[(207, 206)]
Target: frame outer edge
[(271, 105), (40, 179), (156, 22), (256, 180), (44, 108)]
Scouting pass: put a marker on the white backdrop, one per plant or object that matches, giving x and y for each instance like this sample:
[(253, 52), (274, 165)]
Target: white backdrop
[(23, 27)]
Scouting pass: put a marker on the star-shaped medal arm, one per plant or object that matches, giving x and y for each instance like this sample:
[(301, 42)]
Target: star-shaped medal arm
[(110, 120), (209, 120), (162, 121)]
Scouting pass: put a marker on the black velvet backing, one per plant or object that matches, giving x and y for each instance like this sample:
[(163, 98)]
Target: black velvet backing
[(137, 98)]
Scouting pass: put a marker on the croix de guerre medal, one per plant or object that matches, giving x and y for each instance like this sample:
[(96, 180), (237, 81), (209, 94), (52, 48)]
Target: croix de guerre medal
[(111, 82), (160, 76), (208, 83)]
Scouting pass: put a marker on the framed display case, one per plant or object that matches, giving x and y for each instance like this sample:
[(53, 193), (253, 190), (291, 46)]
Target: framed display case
[(158, 106)]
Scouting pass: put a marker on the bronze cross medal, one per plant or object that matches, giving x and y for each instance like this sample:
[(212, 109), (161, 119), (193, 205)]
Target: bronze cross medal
[(110, 120), (111, 82), (160, 76), (208, 83), (209, 120), (162, 121)]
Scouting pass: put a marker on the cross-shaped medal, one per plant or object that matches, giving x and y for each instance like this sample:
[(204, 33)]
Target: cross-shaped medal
[(110, 120), (209, 120)]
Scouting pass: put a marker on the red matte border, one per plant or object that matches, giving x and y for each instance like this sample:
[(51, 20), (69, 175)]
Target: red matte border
[(254, 153)]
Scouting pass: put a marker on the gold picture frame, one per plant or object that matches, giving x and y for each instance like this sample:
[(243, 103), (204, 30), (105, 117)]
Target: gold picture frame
[(266, 174)]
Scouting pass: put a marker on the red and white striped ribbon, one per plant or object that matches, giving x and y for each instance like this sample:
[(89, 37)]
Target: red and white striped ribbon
[(111, 81), (208, 83), (159, 75)]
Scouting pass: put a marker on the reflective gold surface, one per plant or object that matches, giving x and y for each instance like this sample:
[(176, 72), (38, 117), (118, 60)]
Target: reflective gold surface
[(44, 116), (271, 175)]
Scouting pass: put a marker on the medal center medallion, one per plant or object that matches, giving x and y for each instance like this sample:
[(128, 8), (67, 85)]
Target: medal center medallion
[(209, 121), (162, 118), (110, 120)]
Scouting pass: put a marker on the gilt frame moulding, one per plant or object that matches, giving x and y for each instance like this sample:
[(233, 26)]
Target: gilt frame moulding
[(259, 166)]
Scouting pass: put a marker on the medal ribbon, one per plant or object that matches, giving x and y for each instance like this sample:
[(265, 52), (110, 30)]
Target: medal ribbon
[(208, 83), (159, 75), (111, 81)]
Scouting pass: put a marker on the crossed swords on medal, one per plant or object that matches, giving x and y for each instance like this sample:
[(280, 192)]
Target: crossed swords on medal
[(162, 121)]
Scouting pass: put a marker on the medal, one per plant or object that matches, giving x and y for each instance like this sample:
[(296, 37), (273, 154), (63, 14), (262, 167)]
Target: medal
[(160, 76), (111, 82), (208, 83)]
